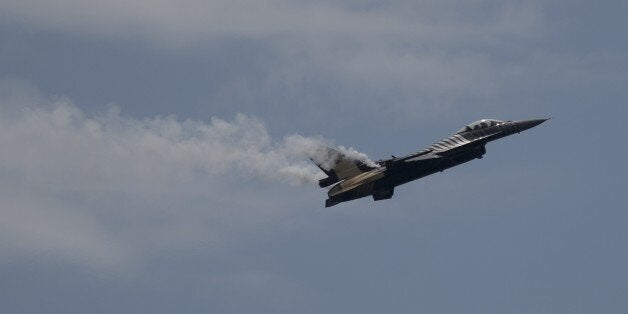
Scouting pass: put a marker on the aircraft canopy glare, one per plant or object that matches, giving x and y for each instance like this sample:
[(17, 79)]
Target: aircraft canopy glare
[(480, 124)]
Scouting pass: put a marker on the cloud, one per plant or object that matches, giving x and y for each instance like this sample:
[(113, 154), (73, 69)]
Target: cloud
[(191, 20), (408, 60), (35, 224), (68, 177)]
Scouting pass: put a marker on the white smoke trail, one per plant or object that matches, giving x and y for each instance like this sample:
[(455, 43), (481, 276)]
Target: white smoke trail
[(68, 179), (60, 140)]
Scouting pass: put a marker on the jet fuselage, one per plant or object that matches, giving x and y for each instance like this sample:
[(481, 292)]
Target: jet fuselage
[(466, 145)]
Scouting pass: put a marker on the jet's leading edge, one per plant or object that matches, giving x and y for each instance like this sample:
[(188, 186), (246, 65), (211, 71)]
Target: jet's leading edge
[(354, 179)]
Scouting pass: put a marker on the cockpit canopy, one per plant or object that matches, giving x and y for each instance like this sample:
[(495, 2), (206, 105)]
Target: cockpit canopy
[(480, 124)]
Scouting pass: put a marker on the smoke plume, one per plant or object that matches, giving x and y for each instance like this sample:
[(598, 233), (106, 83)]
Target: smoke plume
[(60, 141)]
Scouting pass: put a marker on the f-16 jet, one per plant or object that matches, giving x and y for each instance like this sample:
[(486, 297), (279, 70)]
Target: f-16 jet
[(355, 179)]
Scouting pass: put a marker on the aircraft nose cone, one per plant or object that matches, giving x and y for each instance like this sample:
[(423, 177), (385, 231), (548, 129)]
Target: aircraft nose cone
[(527, 124)]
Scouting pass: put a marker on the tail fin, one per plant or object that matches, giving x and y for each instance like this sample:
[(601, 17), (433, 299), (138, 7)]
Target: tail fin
[(337, 166)]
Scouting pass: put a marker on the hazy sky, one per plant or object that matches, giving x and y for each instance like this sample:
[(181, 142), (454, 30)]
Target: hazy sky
[(151, 158)]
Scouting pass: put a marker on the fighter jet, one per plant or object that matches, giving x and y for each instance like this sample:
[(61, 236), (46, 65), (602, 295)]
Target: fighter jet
[(355, 179)]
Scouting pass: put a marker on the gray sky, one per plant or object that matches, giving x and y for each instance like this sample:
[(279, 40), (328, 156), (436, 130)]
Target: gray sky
[(151, 156)]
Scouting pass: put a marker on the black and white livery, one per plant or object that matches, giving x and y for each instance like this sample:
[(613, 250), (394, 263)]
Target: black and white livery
[(354, 179)]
